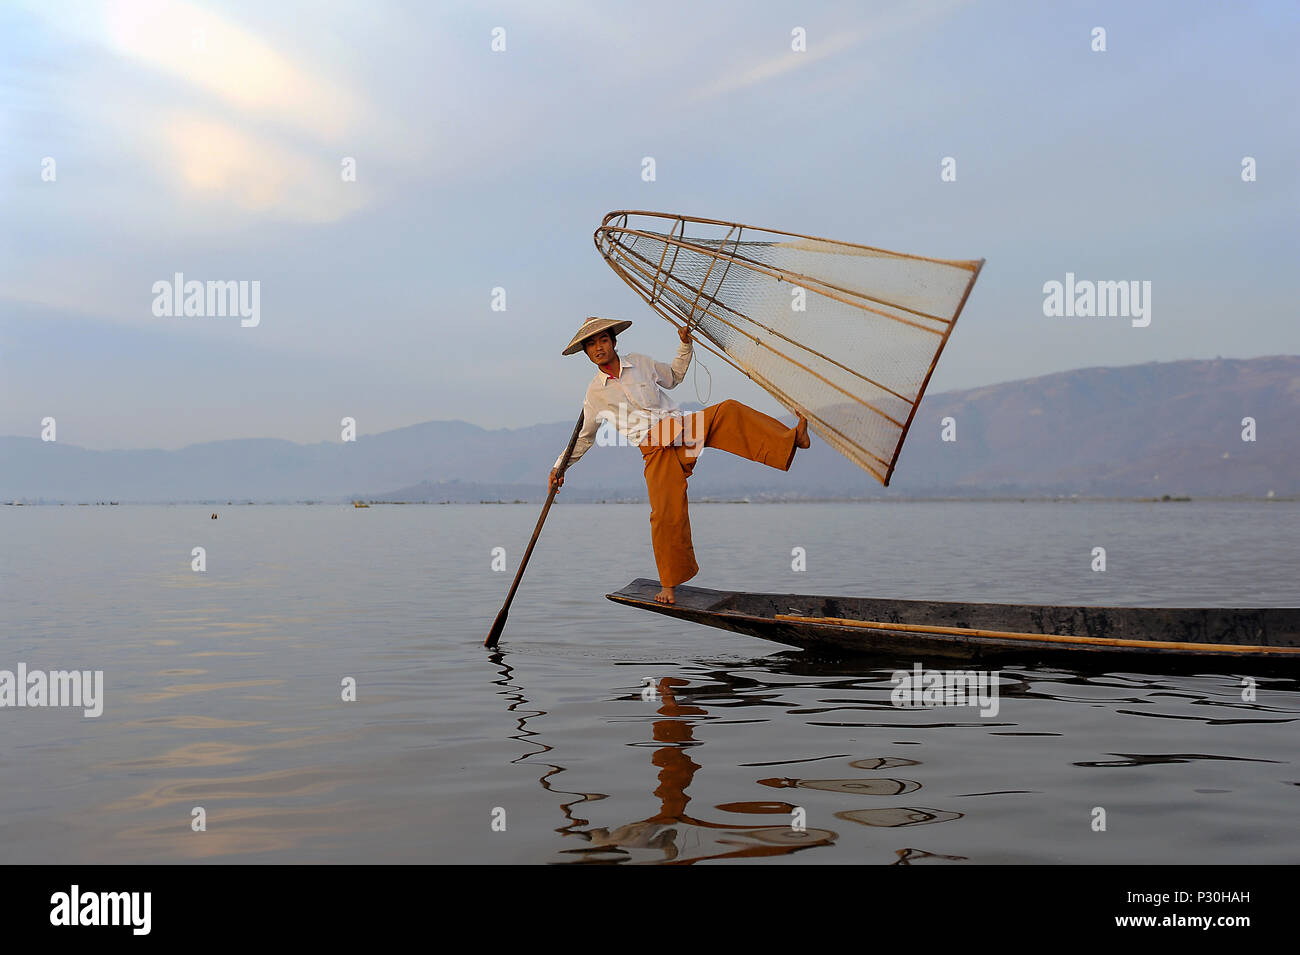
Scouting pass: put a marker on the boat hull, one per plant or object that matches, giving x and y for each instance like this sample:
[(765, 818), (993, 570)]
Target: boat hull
[(1259, 639)]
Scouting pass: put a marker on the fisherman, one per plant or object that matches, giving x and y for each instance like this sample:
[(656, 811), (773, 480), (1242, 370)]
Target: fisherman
[(628, 390)]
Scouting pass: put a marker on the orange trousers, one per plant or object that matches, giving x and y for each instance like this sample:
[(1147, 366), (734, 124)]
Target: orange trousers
[(670, 451)]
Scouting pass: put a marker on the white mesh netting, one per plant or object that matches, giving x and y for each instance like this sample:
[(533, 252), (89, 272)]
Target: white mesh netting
[(854, 349)]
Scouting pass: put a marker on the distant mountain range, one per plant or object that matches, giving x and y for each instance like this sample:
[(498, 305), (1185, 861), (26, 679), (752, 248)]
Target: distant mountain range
[(1147, 430)]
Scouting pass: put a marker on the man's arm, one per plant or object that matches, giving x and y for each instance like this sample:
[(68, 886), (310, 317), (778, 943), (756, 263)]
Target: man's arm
[(670, 376), (586, 438)]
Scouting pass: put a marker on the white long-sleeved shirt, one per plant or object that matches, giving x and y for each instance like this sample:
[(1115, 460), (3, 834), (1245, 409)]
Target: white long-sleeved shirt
[(638, 389)]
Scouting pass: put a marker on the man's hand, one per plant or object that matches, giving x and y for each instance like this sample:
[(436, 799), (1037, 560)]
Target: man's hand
[(684, 333), (556, 481)]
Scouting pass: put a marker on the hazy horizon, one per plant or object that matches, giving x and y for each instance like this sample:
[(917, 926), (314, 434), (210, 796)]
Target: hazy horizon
[(685, 401)]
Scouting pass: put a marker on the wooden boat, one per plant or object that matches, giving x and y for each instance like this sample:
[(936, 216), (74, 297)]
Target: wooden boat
[(908, 629)]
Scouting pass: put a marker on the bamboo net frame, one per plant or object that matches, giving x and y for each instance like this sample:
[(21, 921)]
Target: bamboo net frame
[(856, 361)]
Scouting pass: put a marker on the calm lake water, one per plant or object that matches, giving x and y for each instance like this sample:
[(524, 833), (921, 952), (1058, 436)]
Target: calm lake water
[(223, 690)]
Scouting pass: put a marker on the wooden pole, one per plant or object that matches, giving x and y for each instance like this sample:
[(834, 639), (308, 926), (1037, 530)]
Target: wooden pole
[(495, 633)]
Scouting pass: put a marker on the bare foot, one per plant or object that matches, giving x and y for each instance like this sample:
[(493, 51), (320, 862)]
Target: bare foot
[(665, 596), (801, 433)]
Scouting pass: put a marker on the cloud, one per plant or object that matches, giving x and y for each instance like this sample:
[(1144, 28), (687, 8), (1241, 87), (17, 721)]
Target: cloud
[(221, 162), (239, 68), (786, 62), (224, 118), (826, 44)]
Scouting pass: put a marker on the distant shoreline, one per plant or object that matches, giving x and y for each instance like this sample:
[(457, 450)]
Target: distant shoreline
[(1012, 499)]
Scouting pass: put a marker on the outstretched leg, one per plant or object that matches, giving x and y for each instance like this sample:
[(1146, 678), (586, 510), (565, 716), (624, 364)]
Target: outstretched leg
[(738, 428)]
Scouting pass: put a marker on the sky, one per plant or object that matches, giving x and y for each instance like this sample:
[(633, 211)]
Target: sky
[(210, 139)]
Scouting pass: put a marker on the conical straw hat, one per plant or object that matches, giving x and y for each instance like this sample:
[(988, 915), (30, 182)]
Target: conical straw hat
[(594, 326)]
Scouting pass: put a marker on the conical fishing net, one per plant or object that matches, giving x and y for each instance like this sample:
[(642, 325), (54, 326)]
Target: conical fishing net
[(846, 333)]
